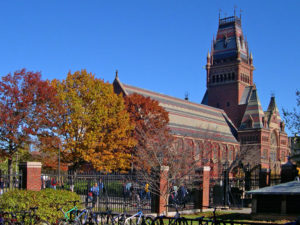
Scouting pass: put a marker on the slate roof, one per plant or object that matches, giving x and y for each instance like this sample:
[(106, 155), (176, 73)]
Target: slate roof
[(254, 112), (271, 112), (289, 188), (246, 95), (187, 118)]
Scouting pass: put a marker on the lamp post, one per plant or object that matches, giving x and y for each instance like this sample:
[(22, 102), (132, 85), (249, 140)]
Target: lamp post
[(59, 165), (247, 177), (225, 168)]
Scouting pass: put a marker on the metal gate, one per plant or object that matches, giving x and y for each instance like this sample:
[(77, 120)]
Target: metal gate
[(119, 193)]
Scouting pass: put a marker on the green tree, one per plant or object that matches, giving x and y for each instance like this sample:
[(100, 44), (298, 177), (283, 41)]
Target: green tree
[(94, 125)]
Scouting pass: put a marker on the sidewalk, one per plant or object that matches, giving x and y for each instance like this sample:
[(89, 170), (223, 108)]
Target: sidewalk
[(242, 211)]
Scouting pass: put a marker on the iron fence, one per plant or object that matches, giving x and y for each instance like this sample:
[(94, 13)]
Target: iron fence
[(118, 193), (10, 182), (231, 191)]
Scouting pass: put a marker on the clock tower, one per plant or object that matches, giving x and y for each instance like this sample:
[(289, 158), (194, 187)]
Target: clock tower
[(229, 70), (230, 86)]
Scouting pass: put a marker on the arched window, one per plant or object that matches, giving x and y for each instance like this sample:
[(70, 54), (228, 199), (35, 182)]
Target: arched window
[(274, 144), (178, 144)]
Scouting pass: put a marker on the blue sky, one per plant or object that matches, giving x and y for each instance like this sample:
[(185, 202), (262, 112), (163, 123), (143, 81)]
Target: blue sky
[(160, 45)]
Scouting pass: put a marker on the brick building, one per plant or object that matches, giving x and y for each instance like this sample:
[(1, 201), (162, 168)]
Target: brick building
[(230, 87), (230, 119)]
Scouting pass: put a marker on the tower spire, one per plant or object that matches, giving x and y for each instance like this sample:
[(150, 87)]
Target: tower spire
[(241, 15), (235, 10)]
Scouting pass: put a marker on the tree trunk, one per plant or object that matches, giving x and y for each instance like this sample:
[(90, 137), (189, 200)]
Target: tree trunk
[(10, 173)]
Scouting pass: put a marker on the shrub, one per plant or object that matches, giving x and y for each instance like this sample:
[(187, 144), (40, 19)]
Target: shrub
[(46, 200)]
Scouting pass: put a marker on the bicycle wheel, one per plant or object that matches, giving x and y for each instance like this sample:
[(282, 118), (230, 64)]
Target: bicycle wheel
[(41, 222), (77, 222), (180, 221), (90, 221), (158, 221), (148, 220), (118, 219), (62, 222), (107, 219)]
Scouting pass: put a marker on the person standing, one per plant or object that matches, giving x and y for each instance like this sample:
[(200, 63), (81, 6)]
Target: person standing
[(101, 187), (95, 193), (53, 183), (147, 192), (1, 186), (71, 182)]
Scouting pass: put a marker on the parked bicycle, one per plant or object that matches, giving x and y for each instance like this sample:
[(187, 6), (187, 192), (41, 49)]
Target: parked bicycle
[(214, 220), (177, 219), (28, 218), (75, 216), (139, 218), (7, 218)]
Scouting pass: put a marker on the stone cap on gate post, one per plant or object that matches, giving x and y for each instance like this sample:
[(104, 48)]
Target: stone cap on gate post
[(31, 175), (206, 168)]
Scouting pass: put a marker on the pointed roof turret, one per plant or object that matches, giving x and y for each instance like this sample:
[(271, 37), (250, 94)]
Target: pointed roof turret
[(208, 55), (253, 116), (230, 42), (272, 113), (251, 59), (208, 58)]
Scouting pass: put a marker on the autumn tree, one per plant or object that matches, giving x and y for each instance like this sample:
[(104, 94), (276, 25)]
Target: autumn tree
[(24, 103), (95, 126), (157, 147), (149, 118), (292, 118)]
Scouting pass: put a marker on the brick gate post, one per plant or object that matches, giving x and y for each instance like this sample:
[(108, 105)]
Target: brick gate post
[(31, 175), (163, 187), (205, 187)]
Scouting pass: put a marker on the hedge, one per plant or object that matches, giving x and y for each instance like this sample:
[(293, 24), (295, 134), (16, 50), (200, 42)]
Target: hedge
[(46, 200)]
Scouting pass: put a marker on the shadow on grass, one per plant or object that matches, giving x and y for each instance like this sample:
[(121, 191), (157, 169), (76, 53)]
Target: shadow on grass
[(258, 218)]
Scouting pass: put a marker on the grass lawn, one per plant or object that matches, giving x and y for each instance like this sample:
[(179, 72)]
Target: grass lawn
[(234, 216)]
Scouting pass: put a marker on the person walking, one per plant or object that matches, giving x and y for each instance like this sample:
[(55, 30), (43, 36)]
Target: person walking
[(182, 193)]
